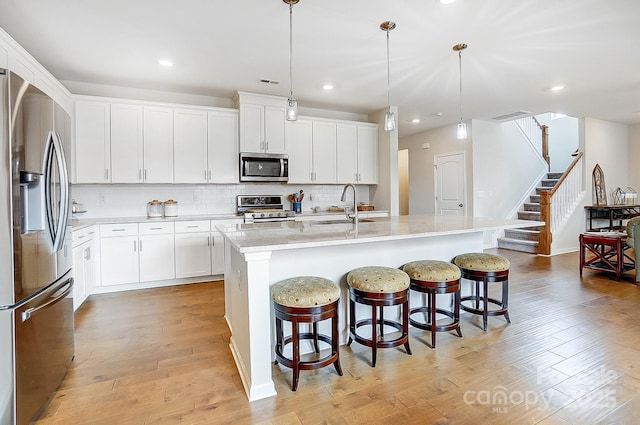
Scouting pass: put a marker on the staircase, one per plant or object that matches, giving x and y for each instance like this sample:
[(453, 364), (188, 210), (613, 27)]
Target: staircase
[(526, 239)]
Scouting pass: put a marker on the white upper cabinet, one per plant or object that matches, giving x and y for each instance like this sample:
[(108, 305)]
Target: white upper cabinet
[(223, 155), (324, 152), (357, 157), (347, 157), (190, 146), (367, 154), (126, 143), (262, 122), (92, 142), (299, 147), (158, 145)]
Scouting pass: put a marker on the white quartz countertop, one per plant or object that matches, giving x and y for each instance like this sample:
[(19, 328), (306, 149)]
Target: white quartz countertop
[(307, 234), (78, 224)]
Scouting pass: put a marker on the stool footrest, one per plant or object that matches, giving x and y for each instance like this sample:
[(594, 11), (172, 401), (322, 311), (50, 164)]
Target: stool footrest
[(306, 365), (454, 324), (500, 312), (402, 339)]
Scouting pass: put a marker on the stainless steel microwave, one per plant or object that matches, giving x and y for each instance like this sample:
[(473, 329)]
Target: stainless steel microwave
[(264, 167)]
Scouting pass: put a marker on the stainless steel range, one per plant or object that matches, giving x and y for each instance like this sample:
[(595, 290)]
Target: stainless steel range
[(262, 208)]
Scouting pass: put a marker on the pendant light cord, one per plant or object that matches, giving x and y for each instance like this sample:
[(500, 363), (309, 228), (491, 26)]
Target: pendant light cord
[(388, 75), (460, 66), (291, 47)]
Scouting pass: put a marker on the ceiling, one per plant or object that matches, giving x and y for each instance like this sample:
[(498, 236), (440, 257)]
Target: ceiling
[(517, 51)]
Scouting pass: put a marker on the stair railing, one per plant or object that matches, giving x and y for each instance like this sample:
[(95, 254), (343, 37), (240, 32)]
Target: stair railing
[(537, 134), (558, 203)]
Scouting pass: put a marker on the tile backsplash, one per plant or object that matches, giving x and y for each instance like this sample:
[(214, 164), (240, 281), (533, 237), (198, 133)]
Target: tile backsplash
[(106, 201)]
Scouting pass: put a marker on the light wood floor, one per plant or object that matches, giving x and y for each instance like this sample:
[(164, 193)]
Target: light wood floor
[(570, 356)]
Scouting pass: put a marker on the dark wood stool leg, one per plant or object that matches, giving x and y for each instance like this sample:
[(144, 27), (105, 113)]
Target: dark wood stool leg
[(296, 354), (381, 323), (477, 295), (456, 311), (374, 334), (335, 343), (278, 338), (485, 302), (405, 323), (316, 346), (352, 321), (505, 299), (432, 310)]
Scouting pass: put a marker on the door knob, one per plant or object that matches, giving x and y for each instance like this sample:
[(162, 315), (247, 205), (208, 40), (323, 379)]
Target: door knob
[(460, 205)]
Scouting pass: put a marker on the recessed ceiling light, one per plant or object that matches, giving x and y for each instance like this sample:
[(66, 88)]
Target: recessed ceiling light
[(327, 87), (415, 120), (439, 114), (447, 1), (166, 63), (557, 88)]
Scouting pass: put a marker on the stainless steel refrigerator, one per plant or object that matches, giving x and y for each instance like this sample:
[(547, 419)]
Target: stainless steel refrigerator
[(36, 279)]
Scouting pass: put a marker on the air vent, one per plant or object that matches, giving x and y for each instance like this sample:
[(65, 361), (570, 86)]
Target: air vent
[(512, 116), (267, 81)]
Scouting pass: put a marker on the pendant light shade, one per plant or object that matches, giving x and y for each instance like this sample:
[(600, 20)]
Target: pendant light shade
[(461, 133), (292, 103), (389, 117)]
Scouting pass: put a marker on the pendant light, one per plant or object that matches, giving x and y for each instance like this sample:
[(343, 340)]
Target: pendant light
[(292, 103), (461, 133), (389, 117)]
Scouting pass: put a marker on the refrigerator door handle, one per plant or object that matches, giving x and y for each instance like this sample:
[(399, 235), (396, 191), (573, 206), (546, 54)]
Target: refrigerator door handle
[(26, 315), (57, 225)]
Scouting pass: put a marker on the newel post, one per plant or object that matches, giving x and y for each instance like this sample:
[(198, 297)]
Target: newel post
[(545, 145), (544, 243)]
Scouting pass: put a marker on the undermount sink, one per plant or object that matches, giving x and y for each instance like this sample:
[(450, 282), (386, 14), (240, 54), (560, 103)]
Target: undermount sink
[(364, 220)]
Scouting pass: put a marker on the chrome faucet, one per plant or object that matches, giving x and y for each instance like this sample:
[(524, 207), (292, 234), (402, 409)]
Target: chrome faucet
[(354, 215)]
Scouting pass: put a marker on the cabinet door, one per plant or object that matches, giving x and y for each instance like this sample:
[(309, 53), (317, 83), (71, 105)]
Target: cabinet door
[(119, 260), (92, 142), (251, 128), (347, 156), (367, 154), (274, 119), (324, 152), (158, 145), (90, 267), (217, 253), (190, 146), (193, 254), (126, 143), (299, 133), (157, 258), (79, 285), (223, 147)]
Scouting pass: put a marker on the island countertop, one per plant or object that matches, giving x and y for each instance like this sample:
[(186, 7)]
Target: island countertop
[(285, 235)]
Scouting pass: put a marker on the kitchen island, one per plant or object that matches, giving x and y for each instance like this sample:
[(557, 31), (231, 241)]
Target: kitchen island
[(259, 255)]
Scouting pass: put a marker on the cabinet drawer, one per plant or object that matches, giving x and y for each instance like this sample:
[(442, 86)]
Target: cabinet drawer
[(123, 229), (193, 226), (83, 235), (155, 228)]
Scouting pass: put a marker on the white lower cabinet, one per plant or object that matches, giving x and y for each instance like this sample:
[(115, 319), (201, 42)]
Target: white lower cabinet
[(84, 264), (131, 252), (156, 250), (193, 248), (119, 254)]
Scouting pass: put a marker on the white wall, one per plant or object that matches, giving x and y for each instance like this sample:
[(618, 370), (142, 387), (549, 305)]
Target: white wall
[(563, 140), (106, 201), (441, 141), (607, 144), (634, 157)]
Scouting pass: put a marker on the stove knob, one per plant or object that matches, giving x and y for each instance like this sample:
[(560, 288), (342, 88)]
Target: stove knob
[(253, 215), (262, 215)]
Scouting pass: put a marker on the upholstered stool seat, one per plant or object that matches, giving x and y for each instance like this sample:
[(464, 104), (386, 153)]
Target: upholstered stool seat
[(378, 287), (485, 268), (434, 277), (306, 299)]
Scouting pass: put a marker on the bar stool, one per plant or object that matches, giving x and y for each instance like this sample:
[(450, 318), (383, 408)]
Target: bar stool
[(485, 268), (378, 287), (306, 299), (434, 277)]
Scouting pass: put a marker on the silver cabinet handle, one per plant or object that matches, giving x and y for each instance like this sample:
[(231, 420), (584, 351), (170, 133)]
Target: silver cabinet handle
[(267, 148), (134, 246), (145, 174), (140, 245), (117, 230), (140, 174), (106, 174), (208, 241)]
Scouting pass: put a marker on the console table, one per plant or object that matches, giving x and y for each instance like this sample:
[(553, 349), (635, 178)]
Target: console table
[(613, 213), (607, 253)]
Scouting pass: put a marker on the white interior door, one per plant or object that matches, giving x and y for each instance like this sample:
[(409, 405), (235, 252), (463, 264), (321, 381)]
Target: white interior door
[(450, 184)]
